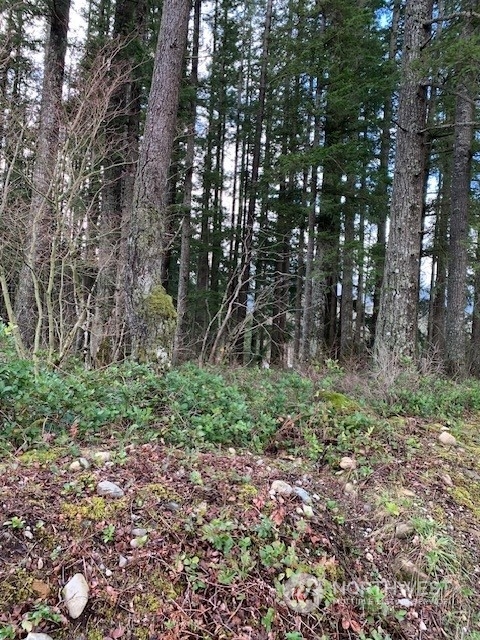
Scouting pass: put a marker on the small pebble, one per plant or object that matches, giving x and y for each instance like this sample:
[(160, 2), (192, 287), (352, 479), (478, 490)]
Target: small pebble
[(348, 464)]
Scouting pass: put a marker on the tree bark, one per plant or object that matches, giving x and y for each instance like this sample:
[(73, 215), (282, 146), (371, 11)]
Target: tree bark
[(385, 147), (247, 244), (396, 332), (456, 355), (124, 110), (150, 312), (184, 267)]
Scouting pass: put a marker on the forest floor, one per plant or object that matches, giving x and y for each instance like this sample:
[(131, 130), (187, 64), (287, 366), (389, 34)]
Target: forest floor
[(382, 543)]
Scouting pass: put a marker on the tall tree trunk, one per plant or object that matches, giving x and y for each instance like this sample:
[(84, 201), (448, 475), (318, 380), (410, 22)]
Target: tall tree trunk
[(150, 311), (184, 267), (385, 147), (130, 16), (346, 309), (396, 332), (307, 320), (436, 333), (456, 361), (475, 337), (29, 305), (247, 245)]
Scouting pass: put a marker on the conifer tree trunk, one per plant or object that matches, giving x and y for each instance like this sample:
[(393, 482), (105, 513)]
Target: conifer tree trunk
[(184, 267), (436, 324), (307, 320), (385, 146), (124, 110), (458, 247), (150, 311), (396, 331), (346, 310), (40, 227), (247, 244)]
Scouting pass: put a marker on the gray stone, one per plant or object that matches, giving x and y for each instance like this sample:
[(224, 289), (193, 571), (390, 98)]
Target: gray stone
[(281, 488), (405, 602), (308, 511), (403, 530), (303, 495), (138, 543), (101, 457), (38, 636), (84, 462), (109, 489), (348, 464), (75, 595), (75, 466), (349, 489), (122, 562), (138, 533)]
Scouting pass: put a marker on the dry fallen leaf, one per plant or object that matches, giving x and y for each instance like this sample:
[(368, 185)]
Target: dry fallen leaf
[(42, 589)]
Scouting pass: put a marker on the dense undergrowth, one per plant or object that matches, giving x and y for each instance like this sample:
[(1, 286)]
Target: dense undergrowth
[(209, 406)]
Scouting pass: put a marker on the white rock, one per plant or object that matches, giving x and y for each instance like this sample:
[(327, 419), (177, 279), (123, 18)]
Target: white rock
[(100, 457), (75, 466), (109, 489), (108, 573), (422, 626), (447, 479), (281, 488), (84, 462), (349, 488), (75, 595), (232, 451), (307, 510), (348, 464), (405, 602), (137, 543), (403, 530), (139, 533), (447, 439), (38, 636)]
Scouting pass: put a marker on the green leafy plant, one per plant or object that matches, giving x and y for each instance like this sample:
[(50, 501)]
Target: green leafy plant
[(41, 613), (373, 601), (108, 533), (217, 532), (268, 618), (7, 632), (15, 522)]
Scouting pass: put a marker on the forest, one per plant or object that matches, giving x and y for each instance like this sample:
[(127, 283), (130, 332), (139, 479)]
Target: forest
[(239, 320), (274, 183)]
